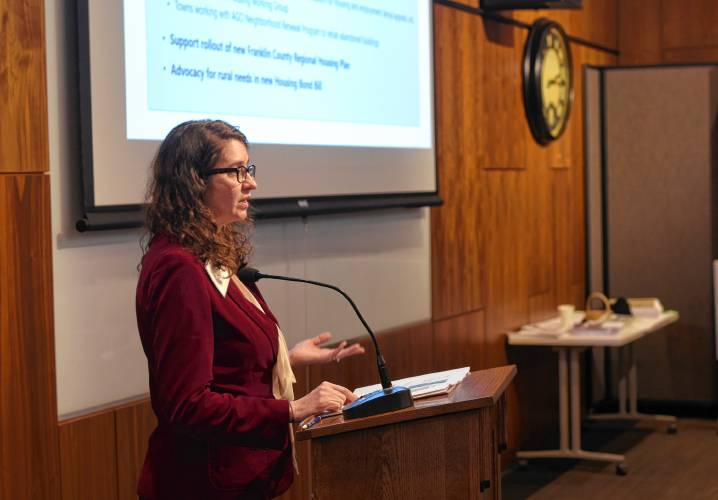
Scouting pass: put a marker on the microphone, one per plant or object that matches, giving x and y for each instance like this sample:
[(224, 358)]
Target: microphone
[(387, 399)]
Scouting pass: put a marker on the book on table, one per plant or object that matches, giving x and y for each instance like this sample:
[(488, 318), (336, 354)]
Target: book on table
[(649, 307)]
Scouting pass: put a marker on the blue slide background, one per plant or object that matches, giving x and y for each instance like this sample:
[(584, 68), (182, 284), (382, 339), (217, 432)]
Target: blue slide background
[(244, 70)]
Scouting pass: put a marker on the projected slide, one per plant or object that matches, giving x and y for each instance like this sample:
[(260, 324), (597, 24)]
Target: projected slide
[(314, 72)]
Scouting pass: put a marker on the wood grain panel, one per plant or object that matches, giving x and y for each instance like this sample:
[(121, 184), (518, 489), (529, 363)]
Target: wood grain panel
[(697, 55), (565, 237), (88, 457), (456, 247), (124, 431), (351, 372), (23, 87), (301, 487), (542, 306), (389, 455), (562, 154), (503, 136), (506, 218), (639, 32), (668, 31), (460, 341), (447, 469), (407, 351), (577, 170), (29, 460), (579, 293), (689, 23), (539, 236), (507, 308), (480, 389), (595, 22), (133, 425)]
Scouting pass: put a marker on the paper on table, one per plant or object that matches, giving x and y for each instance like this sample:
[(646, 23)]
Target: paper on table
[(610, 327), (422, 386), (552, 327)]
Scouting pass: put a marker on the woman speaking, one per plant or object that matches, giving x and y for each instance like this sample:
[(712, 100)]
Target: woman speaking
[(220, 372)]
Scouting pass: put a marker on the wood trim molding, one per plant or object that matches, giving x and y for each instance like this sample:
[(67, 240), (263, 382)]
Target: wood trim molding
[(29, 462), (23, 87)]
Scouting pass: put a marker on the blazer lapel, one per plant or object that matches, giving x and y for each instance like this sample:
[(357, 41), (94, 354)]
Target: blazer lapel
[(265, 322)]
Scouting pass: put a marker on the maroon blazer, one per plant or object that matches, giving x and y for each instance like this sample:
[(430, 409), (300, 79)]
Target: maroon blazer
[(221, 434)]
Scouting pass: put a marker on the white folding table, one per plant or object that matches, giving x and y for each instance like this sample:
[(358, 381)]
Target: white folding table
[(569, 346)]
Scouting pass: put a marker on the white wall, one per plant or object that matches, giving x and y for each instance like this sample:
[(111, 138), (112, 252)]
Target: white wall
[(381, 259)]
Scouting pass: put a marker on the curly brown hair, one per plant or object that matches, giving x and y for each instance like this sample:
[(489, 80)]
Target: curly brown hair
[(175, 195)]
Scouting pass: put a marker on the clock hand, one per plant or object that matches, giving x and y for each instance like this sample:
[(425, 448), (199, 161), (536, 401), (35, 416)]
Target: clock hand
[(556, 81), (551, 114)]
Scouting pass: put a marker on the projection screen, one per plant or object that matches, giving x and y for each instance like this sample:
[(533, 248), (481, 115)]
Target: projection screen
[(335, 97)]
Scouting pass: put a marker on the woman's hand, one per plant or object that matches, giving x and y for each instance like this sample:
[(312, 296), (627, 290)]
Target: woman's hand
[(325, 397), (308, 352)]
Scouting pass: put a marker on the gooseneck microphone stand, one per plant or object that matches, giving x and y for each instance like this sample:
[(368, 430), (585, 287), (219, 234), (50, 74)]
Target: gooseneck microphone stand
[(387, 399)]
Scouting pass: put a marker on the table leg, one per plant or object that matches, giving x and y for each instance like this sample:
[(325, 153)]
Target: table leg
[(621, 381), (632, 413), (571, 385), (632, 380), (575, 401), (563, 398)]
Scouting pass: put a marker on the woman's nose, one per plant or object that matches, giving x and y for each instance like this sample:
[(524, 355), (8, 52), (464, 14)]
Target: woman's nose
[(249, 183)]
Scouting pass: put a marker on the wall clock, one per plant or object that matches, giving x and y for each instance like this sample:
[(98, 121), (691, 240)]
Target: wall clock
[(547, 80)]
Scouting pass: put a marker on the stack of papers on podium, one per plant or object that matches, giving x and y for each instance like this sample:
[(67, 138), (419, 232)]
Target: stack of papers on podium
[(422, 386)]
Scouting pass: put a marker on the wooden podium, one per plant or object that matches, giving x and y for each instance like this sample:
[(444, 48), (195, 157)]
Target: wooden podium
[(445, 447)]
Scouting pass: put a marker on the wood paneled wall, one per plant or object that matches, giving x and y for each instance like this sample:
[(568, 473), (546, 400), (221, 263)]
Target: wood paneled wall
[(668, 31), (29, 460), (101, 454), (507, 246)]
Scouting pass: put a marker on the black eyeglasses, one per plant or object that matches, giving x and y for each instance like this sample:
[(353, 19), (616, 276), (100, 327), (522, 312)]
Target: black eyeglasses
[(240, 172)]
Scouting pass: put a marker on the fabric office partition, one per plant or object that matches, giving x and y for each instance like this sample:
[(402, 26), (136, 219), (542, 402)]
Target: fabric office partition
[(659, 195)]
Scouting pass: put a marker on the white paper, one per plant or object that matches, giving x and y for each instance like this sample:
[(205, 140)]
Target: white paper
[(422, 386)]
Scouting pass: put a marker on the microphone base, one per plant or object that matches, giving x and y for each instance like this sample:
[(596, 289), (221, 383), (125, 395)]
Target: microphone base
[(381, 401)]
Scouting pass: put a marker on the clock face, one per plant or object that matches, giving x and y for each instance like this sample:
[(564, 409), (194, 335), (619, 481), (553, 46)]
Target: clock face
[(555, 81), (548, 85)]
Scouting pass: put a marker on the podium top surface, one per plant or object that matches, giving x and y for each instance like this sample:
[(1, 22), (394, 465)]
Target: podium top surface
[(479, 389)]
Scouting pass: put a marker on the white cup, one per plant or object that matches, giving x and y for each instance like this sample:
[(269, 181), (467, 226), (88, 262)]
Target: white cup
[(565, 312)]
